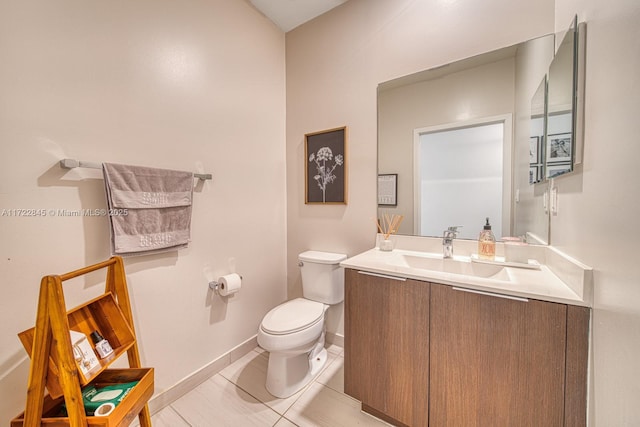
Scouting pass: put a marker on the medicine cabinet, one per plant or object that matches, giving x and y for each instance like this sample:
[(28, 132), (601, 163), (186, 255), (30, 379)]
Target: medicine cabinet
[(556, 148)]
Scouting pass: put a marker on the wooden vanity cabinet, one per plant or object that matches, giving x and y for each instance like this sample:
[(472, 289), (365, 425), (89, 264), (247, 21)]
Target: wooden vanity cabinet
[(387, 346), (423, 354), (500, 361)]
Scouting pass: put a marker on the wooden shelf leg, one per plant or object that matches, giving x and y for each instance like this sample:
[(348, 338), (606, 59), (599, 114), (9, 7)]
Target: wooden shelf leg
[(117, 284), (39, 360), (66, 363)]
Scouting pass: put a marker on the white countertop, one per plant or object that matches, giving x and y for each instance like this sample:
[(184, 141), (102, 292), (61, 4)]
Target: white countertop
[(541, 284)]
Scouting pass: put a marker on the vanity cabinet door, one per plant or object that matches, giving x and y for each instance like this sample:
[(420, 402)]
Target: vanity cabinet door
[(387, 346), (496, 361)]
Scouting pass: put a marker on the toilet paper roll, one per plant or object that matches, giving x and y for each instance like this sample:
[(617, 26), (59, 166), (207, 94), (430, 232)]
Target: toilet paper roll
[(229, 284), (104, 409)]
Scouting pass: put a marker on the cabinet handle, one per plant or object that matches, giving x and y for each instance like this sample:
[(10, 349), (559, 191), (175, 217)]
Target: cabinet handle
[(384, 276), (490, 294)]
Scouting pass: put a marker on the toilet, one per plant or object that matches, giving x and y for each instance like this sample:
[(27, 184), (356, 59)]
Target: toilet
[(293, 332)]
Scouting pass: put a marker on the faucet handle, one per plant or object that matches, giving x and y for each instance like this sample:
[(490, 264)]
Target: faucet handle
[(453, 229)]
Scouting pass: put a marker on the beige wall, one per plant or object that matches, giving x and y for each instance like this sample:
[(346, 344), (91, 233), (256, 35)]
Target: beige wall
[(599, 207), (334, 65), (181, 85)]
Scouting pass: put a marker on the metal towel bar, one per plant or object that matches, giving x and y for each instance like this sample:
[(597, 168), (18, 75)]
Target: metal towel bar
[(71, 163)]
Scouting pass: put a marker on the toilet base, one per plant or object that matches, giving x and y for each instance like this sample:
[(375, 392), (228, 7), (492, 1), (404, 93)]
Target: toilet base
[(287, 374)]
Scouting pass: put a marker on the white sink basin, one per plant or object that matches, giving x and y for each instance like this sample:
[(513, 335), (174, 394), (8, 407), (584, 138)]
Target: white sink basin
[(456, 265), (534, 280)]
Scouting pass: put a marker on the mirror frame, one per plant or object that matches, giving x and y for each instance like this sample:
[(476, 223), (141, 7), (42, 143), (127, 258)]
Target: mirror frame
[(575, 36), (560, 141)]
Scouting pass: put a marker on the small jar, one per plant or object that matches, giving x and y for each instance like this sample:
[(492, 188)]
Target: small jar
[(386, 245), (103, 348)]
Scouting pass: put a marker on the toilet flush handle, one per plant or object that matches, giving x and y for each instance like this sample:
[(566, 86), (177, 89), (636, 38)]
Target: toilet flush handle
[(300, 264)]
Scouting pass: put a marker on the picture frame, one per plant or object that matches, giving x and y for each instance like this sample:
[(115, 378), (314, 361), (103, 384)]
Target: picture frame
[(326, 166), (388, 189), (535, 173), (559, 148), (556, 169), (534, 150)]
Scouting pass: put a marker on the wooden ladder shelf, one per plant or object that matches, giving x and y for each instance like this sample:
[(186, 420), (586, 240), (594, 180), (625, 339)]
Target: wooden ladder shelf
[(53, 364)]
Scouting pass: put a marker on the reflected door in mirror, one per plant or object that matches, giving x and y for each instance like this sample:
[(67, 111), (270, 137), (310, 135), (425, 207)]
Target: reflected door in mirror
[(460, 179)]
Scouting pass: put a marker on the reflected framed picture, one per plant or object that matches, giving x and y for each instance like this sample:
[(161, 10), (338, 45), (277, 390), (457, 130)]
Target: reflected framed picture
[(534, 150), (326, 167), (533, 174), (559, 148), (388, 189), (555, 169)]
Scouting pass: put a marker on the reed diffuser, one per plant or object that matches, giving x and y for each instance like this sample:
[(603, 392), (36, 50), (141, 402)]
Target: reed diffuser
[(388, 225)]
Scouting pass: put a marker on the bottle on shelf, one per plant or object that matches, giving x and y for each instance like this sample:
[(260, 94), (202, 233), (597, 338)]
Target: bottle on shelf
[(102, 346)]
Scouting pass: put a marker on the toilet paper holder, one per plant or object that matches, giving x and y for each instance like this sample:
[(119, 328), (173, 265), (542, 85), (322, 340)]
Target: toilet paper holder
[(214, 285)]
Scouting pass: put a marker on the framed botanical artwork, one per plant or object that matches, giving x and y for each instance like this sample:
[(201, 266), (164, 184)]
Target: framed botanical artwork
[(559, 148), (388, 189), (326, 166)]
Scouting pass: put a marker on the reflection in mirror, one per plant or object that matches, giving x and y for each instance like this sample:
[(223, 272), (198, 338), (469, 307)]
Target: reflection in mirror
[(462, 94), (537, 140), (459, 176), (560, 145)]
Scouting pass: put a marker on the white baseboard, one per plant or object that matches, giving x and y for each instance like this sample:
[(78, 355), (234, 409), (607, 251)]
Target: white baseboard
[(167, 397), (335, 339), (184, 386)]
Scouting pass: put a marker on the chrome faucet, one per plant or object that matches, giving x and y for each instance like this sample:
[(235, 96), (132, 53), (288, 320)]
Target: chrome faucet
[(447, 241)]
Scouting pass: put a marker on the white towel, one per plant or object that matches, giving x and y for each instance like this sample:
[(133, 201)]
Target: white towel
[(149, 209)]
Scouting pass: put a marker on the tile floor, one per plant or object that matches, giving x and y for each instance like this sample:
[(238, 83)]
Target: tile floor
[(237, 397)]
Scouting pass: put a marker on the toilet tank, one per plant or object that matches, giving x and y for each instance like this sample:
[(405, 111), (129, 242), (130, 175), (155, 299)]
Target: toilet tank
[(322, 276)]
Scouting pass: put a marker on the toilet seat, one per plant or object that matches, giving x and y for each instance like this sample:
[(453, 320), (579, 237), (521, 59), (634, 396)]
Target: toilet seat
[(293, 316)]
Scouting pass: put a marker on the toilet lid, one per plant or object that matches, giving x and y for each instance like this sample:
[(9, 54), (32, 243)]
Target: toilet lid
[(293, 316)]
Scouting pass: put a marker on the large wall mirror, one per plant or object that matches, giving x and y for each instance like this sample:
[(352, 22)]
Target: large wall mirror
[(456, 139)]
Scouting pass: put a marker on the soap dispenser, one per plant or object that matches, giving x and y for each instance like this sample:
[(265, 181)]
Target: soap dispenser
[(487, 243)]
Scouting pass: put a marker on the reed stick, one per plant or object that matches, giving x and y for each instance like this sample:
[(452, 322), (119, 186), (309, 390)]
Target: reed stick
[(390, 224), (396, 223)]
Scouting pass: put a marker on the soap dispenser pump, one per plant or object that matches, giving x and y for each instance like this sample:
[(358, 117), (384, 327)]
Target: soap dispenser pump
[(487, 243)]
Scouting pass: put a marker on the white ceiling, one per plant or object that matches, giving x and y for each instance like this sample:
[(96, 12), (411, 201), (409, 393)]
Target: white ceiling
[(288, 14)]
